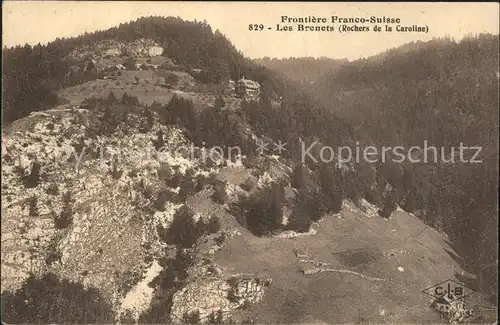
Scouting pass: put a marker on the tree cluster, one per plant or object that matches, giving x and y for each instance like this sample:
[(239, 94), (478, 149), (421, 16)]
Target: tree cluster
[(49, 299)]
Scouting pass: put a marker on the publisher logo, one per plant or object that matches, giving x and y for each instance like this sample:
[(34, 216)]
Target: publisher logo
[(449, 290)]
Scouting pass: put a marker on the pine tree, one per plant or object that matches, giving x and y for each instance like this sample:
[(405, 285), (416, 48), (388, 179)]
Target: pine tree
[(300, 220), (183, 230), (33, 179), (66, 217), (219, 102), (33, 207), (299, 176), (390, 204), (111, 97), (159, 142)]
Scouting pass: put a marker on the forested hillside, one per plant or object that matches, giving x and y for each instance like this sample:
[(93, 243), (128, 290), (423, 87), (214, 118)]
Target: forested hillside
[(446, 93), (304, 70), (32, 75), (443, 92)]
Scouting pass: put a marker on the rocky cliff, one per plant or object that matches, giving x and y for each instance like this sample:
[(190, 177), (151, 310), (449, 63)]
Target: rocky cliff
[(80, 207), (141, 47)]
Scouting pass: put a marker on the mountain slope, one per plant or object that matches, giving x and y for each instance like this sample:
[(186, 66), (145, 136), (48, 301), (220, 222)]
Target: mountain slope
[(443, 93), (406, 242), (118, 191), (307, 71), (42, 70)]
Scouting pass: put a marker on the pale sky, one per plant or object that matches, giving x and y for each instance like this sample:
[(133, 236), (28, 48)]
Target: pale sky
[(35, 22)]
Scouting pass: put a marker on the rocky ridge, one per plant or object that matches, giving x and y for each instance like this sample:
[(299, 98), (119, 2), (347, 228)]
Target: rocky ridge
[(110, 240), (141, 47)]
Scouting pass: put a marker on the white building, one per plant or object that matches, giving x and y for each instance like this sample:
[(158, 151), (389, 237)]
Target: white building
[(246, 88)]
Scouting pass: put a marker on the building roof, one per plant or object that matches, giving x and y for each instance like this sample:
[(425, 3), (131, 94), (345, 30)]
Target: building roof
[(249, 83)]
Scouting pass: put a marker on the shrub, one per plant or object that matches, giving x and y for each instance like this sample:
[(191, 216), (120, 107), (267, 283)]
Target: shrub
[(409, 205), (52, 189), (110, 114), (132, 173), (128, 280), (171, 78), (215, 127), (159, 142), (53, 253), (216, 317), (130, 64), (332, 201), (33, 207), (33, 179), (171, 178), (374, 196), (220, 195), (191, 318), (248, 184), (57, 301), (213, 225), (300, 177), (219, 102), (66, 217), (79, 146), (115, 172), (147, 122), (221, 239), (170, 279), (164, 196), (202, 181), (187, 185), (183, 230)]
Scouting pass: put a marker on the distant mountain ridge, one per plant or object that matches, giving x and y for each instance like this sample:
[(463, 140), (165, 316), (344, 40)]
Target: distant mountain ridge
[(305, 70)]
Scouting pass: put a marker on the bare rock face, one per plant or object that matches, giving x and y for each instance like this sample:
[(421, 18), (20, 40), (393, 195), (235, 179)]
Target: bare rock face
[(110, 48), (208, 296), (67, 210), (205, 296), (107, 227), (144, 47), (247, 290)]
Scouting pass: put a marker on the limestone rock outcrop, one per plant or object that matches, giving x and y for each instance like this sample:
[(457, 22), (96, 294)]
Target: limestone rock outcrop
[(210, 295)]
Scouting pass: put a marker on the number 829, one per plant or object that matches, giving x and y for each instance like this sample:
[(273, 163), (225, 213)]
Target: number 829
[(255, 27)]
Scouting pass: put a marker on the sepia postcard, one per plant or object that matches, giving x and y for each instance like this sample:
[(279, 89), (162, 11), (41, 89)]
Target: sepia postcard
[(199, 162)]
